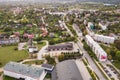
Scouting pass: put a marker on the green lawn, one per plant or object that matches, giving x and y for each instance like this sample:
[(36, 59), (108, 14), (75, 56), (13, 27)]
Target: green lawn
[(8, 78), (56, 35), (8, 53), (40, 45), (1, 32), (116, 64), (1, 73), (37, 62)]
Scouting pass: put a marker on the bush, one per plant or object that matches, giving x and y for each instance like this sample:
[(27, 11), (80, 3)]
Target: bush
[(117, 44), (0, 63), (50, 60), (7, 29), (15, 48), (84, 62)]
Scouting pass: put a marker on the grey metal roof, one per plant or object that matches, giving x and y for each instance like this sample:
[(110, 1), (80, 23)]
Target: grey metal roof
[(65, 45), (66, 70), (27, 70), (47, 66)]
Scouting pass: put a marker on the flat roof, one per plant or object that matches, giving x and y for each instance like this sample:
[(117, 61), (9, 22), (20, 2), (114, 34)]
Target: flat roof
[(107, 37), (66, 70), (31, 71), (48, 66), (64, 45), (96, 45)]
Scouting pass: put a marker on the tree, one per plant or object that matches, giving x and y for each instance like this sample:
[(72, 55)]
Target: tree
[(24, 20), (7, 29), (61, 57), (112, 53), (109, 57), (117, 44), (50, 60), (118, 55)]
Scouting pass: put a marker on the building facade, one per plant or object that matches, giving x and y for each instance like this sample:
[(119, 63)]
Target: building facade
[(78, 31), (104, 39), (58, 49), (67, 46), (100, 53), (103, 25), (90, 28), (9, 41)]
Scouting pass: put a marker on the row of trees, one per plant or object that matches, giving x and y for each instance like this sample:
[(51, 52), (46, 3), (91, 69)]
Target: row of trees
[(60, 40), (50, 60), (69, 55), (89, 50)]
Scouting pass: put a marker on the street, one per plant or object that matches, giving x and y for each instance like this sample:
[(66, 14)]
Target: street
[(85, 74), (92, 64)]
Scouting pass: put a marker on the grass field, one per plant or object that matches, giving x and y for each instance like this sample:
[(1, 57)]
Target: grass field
[(8, 53), (116, 64), (8, 78), (40, 45), (37, 62)]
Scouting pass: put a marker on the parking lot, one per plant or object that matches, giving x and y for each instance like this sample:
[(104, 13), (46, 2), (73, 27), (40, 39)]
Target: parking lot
[(111, 72)]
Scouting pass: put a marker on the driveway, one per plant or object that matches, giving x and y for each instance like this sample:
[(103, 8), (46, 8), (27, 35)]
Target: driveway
[(42, 50), (21, 45)]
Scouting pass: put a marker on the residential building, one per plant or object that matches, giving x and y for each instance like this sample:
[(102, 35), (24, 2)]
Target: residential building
[(33, 49), (49, 68), (66, 46), (85, 22), (13, 39), (52, 35), (61, 25), (104, 39), (25, 72), (96, 48), (58, 49), (103, 25), (44, 31), (89, 31), (90, 25), (90, 28), (16, 10), (78, 31)]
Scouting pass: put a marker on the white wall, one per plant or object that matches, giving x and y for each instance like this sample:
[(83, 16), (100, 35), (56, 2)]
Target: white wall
[(96, 48), (11, 74), (90, 32), (104, 27), (15, 75), (104, 39), (43, 75)]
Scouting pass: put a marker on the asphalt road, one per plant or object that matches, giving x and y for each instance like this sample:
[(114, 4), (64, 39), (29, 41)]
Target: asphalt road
[(92, 64)]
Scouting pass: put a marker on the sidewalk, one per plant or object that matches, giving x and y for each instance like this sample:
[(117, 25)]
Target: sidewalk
[(27, 60), (83, 70), (92, 64)]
